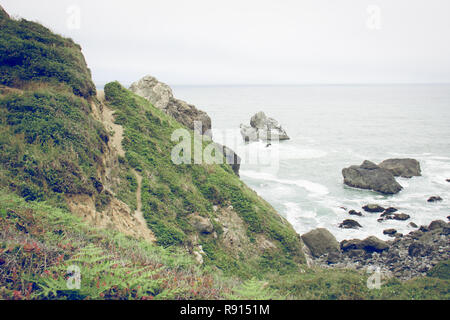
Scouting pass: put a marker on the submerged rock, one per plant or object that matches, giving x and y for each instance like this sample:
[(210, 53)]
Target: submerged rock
[(406, 168), (160, 95), (263, 128), (320, 242), (355, 213), (434, 199), (371, 177)]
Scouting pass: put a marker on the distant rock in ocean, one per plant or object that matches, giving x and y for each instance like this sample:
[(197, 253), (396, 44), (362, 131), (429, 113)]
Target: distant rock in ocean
[(405, 168), (160, 95), (263, 128), (371, 177)]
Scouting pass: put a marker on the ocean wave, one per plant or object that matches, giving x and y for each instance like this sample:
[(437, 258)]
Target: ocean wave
[(312, 187)]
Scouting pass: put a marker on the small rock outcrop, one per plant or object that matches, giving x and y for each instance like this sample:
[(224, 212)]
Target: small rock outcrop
[(370, 244), (160, 95), (355, 213), (373, 208), (407, 256), (263, 128), (405, 168), (321, 242), (434, 199), (369, 176), (231, 158), (201, 224), (350, 224)]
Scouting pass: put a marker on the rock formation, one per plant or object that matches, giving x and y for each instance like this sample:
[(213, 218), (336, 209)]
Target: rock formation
[(320, 241), (263, 128), (405, 168), (161, 96), (371, 177)]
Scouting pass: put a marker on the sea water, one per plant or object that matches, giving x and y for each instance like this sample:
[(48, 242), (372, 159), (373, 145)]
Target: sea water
[(333, 127)]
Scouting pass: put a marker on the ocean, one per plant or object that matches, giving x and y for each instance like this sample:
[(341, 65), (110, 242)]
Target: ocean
[(333, 127)]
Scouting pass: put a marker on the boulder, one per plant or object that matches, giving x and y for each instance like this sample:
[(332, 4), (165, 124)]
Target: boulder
[(390, 210), (413, 225), (373, 208), (320, 242), (371, 177), (399, 217), (350, 224), (201, 224), (373, 244), (418, 249), (370, 244), (434, 199), (405, 168), (390, 232), (263, 128), (160, 95), (355, 213), (438, 224)]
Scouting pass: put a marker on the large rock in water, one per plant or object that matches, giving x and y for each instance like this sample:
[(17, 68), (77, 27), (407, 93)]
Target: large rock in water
[(406, 168), (320, 242), (371, 177), (160, 95), (263, 128)]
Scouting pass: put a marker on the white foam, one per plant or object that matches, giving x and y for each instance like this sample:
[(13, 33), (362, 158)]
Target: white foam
[(312, 187)]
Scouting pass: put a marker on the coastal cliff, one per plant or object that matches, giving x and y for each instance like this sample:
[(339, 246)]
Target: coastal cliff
[(86, 178)]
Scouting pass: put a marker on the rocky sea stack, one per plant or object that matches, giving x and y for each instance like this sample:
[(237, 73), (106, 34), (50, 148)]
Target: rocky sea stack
[(371, 177), (263, 128), (405, 168)]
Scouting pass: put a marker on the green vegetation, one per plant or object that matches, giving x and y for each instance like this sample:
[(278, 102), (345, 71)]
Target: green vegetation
[(30, 52), (171, 193), (51, 147), (39, 242)]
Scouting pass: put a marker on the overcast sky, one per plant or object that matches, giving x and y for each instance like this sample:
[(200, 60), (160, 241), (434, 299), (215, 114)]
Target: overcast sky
[(234, 42)]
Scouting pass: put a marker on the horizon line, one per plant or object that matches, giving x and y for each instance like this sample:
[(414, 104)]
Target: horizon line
[(312, 84)]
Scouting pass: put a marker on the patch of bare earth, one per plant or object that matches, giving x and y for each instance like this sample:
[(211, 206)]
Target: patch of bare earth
[(117, 215)]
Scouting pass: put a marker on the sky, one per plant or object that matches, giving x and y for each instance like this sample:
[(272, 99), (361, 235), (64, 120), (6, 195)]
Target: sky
[(254, 42)]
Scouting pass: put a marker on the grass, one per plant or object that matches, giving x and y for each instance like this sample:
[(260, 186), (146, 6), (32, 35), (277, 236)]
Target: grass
[(49, 144), (50, 147), (30, 52), (170, 192)]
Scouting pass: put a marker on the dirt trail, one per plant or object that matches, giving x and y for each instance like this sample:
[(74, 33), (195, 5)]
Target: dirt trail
[(117, 215), (138, 214), (108, 122)]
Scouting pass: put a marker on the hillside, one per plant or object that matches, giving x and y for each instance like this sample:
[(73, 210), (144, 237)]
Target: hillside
[(87, 179), (55, 147)]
